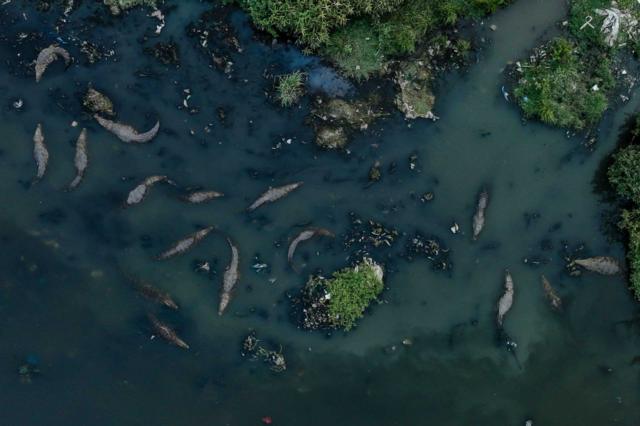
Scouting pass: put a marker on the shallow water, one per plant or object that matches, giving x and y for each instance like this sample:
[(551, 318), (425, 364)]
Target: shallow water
[(63, 298)]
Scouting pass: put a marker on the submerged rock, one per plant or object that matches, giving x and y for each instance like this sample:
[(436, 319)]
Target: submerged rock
[(97, 102), (415, 97), (167, 53), (336, 117)]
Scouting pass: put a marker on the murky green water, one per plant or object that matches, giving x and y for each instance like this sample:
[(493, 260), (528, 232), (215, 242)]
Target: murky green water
[(63, 299)]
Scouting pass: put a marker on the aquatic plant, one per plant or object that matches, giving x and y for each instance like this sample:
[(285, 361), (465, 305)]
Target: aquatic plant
[(290, 88), (340, 301)]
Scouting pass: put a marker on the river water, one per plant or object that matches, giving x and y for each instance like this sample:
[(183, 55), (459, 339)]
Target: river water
[(65, 306)]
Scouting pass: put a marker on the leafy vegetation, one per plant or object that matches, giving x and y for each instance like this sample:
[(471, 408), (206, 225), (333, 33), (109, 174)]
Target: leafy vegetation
[(567, 82), (290, 88), (624, 173), (631, 223), (352, 290), (360, 36), (624, 176)]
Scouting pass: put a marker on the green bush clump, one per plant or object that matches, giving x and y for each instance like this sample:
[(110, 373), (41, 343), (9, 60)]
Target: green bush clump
[(631, 223), (624, 173), (351, 290), (565, 87), (312, 21), (290, 88)]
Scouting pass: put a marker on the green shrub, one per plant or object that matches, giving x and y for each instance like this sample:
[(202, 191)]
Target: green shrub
[(290, 88), (624, 173), (351, 291), (631, 224)]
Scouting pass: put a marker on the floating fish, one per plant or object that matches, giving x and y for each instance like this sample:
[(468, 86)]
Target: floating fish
[(506, 300), (47, 56), (154, 294), (603, 265), (478, 217), (126, 133), (183, 245), (305, 235), (273, 194), (40, 152), (229, 279), (137, 194), (81, 160), (551, 295), (166, 332), (198, 197)]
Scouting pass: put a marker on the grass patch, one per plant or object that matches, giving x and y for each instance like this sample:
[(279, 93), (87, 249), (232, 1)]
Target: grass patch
[(361, 36), (351, 291), (340, 301), (290, 88)]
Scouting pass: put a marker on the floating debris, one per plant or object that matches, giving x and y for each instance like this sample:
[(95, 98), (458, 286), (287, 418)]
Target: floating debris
[(603, 265), (166, 332), (81, 159), (478, 217), (40, 152), (431, 248), (252, 348), (274, 194), (229, 279), (368, 235), (305, 235), (185, 244), (137, 194), (506, 300), (126, 133), (47, 56), (551, 295), (455, 228), (198, 197)]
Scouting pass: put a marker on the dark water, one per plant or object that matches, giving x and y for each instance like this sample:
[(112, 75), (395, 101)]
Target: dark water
[(64, 302)]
